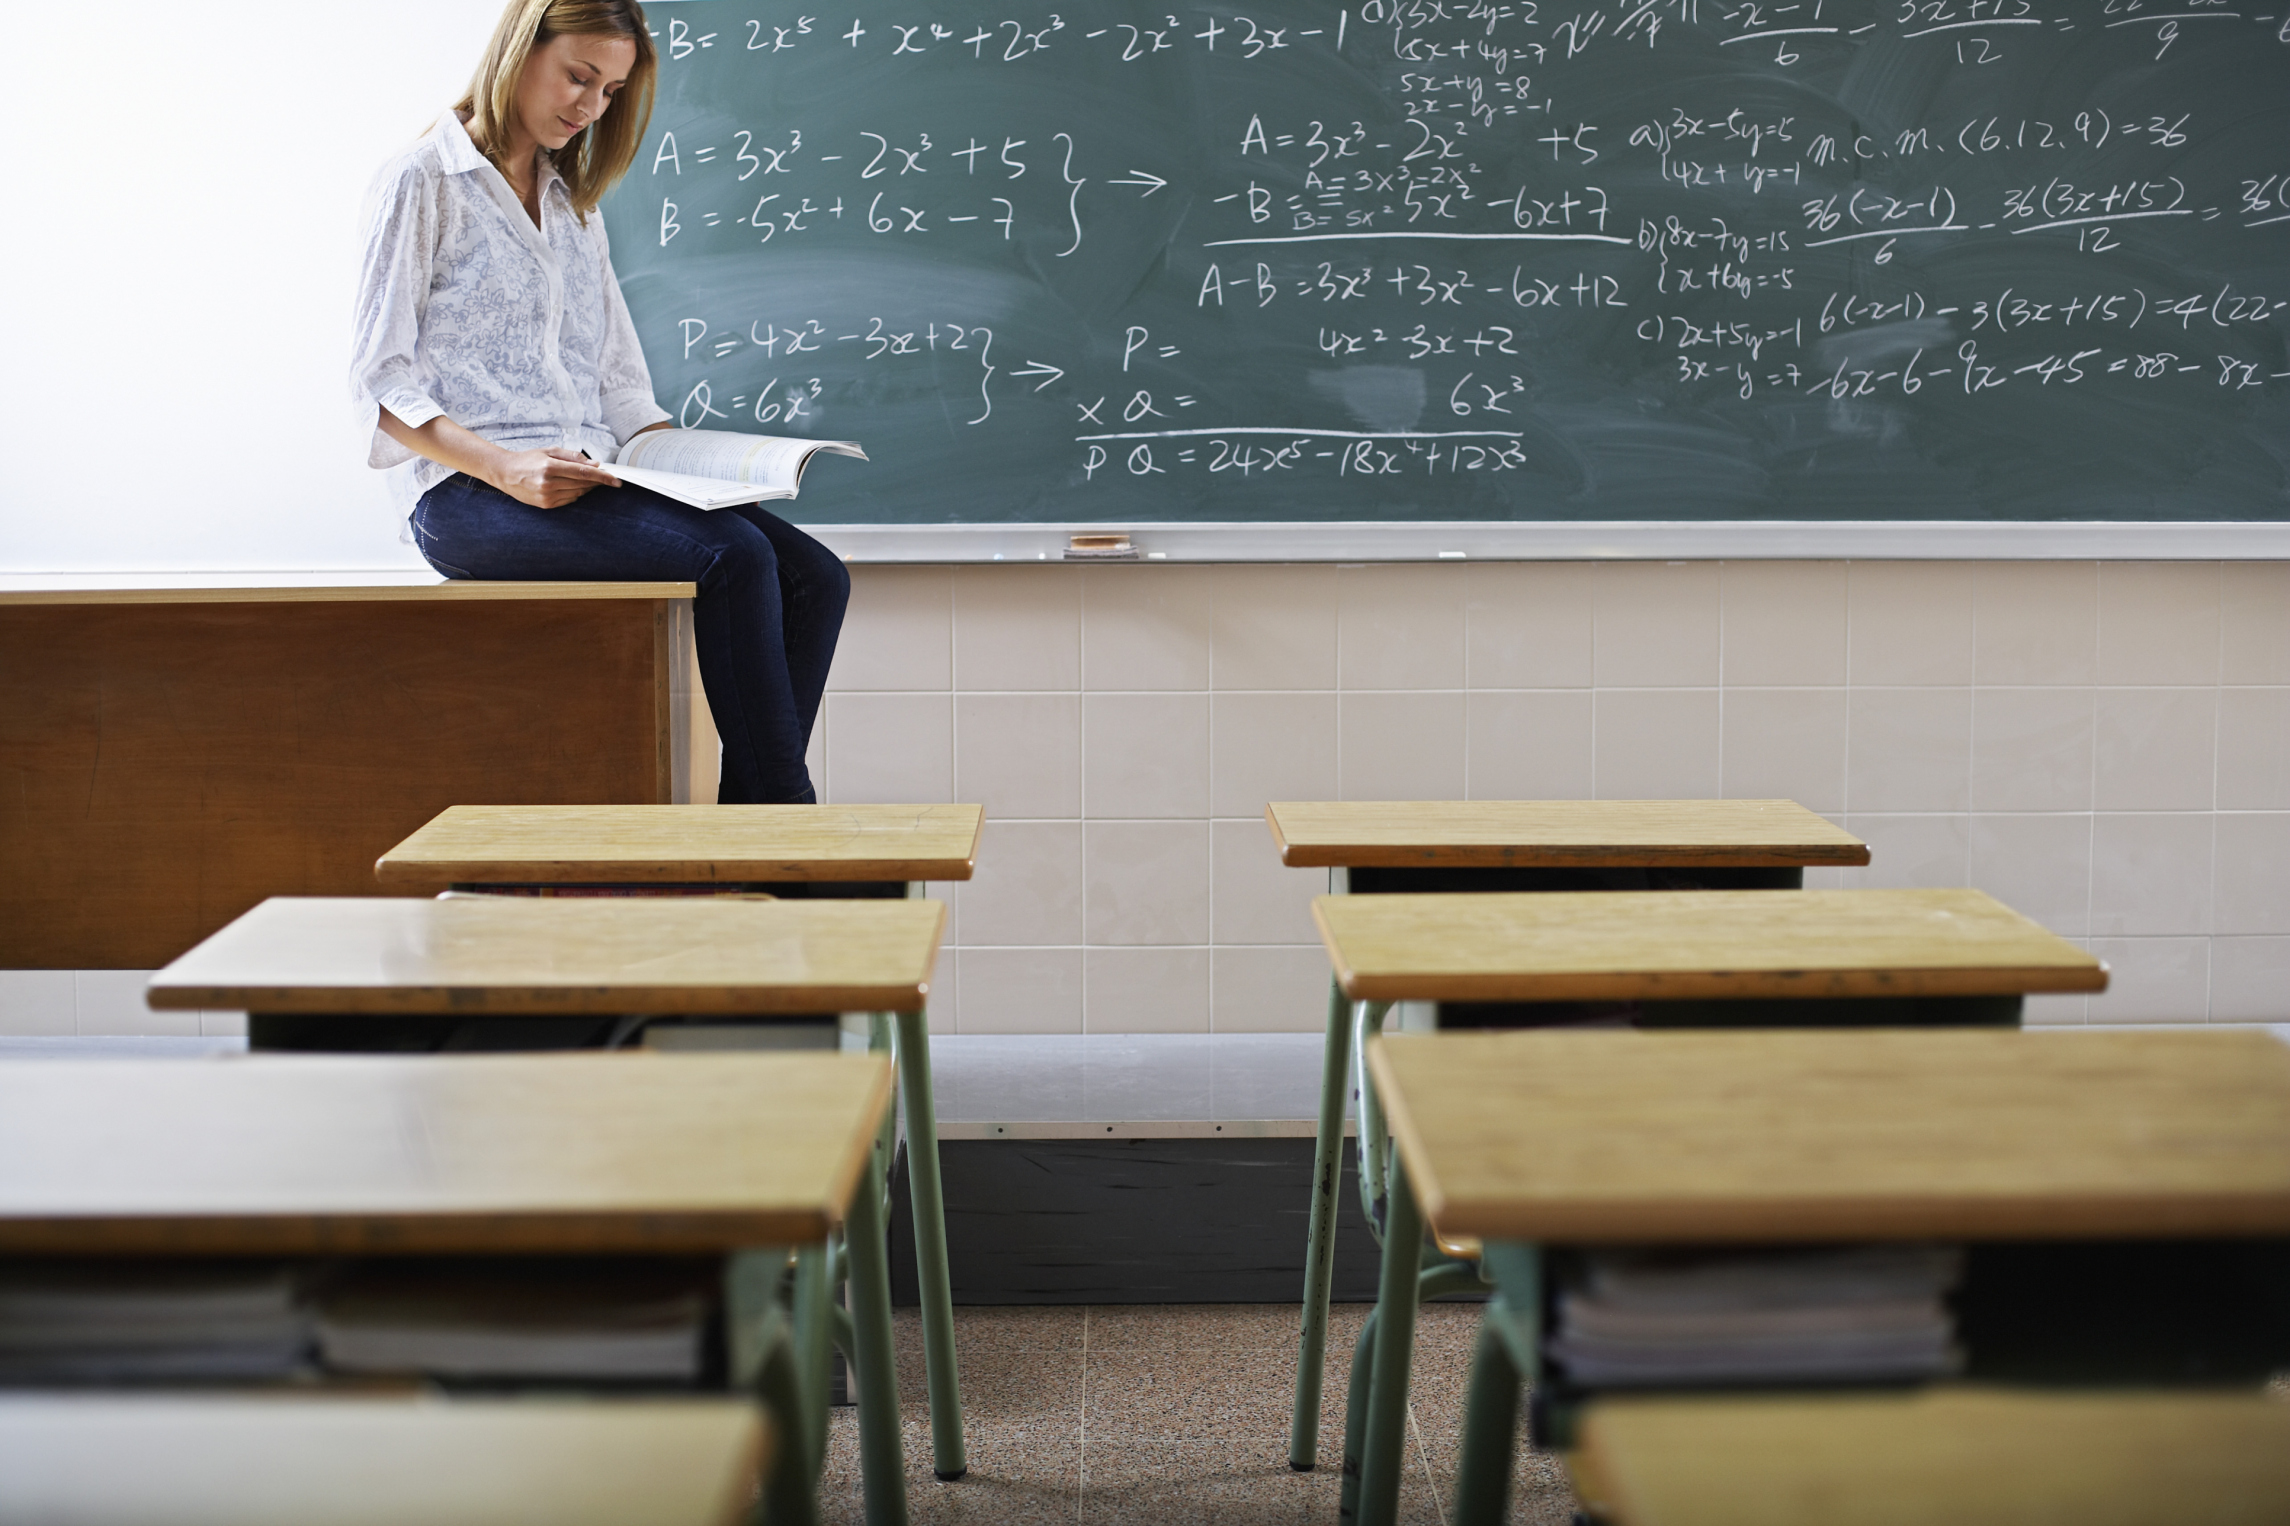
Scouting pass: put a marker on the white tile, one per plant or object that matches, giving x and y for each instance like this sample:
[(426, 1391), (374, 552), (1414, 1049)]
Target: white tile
[(1254, 897), (1028, 886), (222, 1025), (1657, 624), (942, 891), (1147, 882), (2055, 1011), (2153, 980), (111, 1002), (2254, 602), (2250, 980), (1784, 623), (2036, 623), (899, 630), (1531, 746), (1911, 852), (1019, 755), (2254, 749), (2031, 749), (1401, 746), (2154, 749), (1824, 878), (1909, 750), (814, 756), (1020, 990), (1266, 747), (1147, 990), (1656, 744), (2040, 866), (37, 1002), (2158, 622), (2253, 873), (1785, 744), (890, 749), (1275, 628), (945, 1007), (2151, 874), (1912, 623), (1146, 627), (1271, 990), (1145, 754), (1400, 626), (1017, 627), (1528, 625)]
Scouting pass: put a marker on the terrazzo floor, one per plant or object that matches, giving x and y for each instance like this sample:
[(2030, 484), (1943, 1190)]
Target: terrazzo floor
[(1165, 1415)]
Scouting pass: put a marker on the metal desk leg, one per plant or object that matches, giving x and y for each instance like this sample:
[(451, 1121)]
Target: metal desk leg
[(812, 1344), (1507, 1356), (1320, 1239), (1383, 1453), (882, 1460), (937, 1284)]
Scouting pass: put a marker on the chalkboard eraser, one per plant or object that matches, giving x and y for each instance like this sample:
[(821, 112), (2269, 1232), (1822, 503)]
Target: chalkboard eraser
[(1108, 546), (1453, 556)]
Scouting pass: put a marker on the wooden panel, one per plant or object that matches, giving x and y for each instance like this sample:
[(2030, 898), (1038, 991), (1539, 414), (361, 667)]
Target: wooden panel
[(1591, 1137), (686, 843), (307, 588), (473, 1153), (165, 767), (1650, 945), (1968, 1457), (1599, 834), (474, 955), (214, 1460)]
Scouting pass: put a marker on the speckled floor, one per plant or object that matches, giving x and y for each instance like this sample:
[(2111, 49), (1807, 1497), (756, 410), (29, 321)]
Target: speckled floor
[(1165, 1415)]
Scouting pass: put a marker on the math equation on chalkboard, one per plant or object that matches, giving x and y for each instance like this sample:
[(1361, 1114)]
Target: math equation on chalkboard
[(1466, 260)]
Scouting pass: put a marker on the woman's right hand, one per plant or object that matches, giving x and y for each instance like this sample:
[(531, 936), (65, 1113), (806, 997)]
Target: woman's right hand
[(549, 479)]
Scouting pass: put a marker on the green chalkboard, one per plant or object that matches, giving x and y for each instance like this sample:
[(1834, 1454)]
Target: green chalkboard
[(1462, 260)]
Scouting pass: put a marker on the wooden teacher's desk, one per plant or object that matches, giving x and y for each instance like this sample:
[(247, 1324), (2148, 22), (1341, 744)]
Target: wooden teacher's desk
[(160, 1460), (1445, 846), (789, 850), (173, 750), (1551, 1138)]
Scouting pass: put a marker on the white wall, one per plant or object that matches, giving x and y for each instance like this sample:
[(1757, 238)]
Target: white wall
[(177, 275)]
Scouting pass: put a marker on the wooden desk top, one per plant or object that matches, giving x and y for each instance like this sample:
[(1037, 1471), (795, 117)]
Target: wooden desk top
[(1598, 834), (1792, 1135), (300, 588), (576, 844), (503, 954), (1647, 945), (311, 1155), (237, 1460), (1966, 1456)]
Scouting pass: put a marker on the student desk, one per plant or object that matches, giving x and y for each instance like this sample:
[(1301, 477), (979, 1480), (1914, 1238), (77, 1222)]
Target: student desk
[(1716, 958), (486, 1155), (522, 958), (1537, 1139), (800, 850), (1969, 1457), (1403, 847), (210, 1460)]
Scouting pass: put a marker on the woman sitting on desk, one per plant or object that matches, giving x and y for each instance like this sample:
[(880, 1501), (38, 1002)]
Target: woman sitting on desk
[(493, 349)]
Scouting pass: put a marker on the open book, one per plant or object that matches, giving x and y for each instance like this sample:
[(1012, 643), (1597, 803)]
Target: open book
[(715, 468)]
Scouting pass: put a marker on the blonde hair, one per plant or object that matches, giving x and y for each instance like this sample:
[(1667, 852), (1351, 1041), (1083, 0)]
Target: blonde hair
[(600, 153)]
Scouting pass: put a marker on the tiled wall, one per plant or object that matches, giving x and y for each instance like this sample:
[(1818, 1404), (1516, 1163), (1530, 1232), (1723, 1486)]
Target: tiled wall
[(2104, 746)]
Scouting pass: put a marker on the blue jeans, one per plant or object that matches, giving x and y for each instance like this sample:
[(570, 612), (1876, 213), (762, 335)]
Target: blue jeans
[(770, 602)]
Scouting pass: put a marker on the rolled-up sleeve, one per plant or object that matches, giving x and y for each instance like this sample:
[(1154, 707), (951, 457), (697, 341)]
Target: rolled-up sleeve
[(400, 242), (623, 379)]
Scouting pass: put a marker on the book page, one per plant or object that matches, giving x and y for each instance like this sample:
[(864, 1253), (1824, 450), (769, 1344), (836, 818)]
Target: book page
[(767, 461)]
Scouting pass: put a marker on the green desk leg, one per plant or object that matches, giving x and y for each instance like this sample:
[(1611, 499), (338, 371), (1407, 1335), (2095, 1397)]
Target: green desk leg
[(1320, 1239), (765, 1361), (1383, 1453), (814, 1333), (937, 1283), (882, 1460), (1506, 1357)]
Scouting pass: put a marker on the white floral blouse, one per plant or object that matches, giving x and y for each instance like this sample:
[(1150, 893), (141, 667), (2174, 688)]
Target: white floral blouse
[(468, 310)]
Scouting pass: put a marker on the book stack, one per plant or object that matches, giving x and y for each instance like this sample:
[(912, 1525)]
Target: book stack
[(160, 1321), (1866, 1314)]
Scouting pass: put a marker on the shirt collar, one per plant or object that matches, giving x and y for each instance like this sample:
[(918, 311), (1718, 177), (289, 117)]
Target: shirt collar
[(456, 150)]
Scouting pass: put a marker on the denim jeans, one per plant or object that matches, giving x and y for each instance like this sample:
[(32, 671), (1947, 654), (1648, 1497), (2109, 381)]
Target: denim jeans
[(770, 602)]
